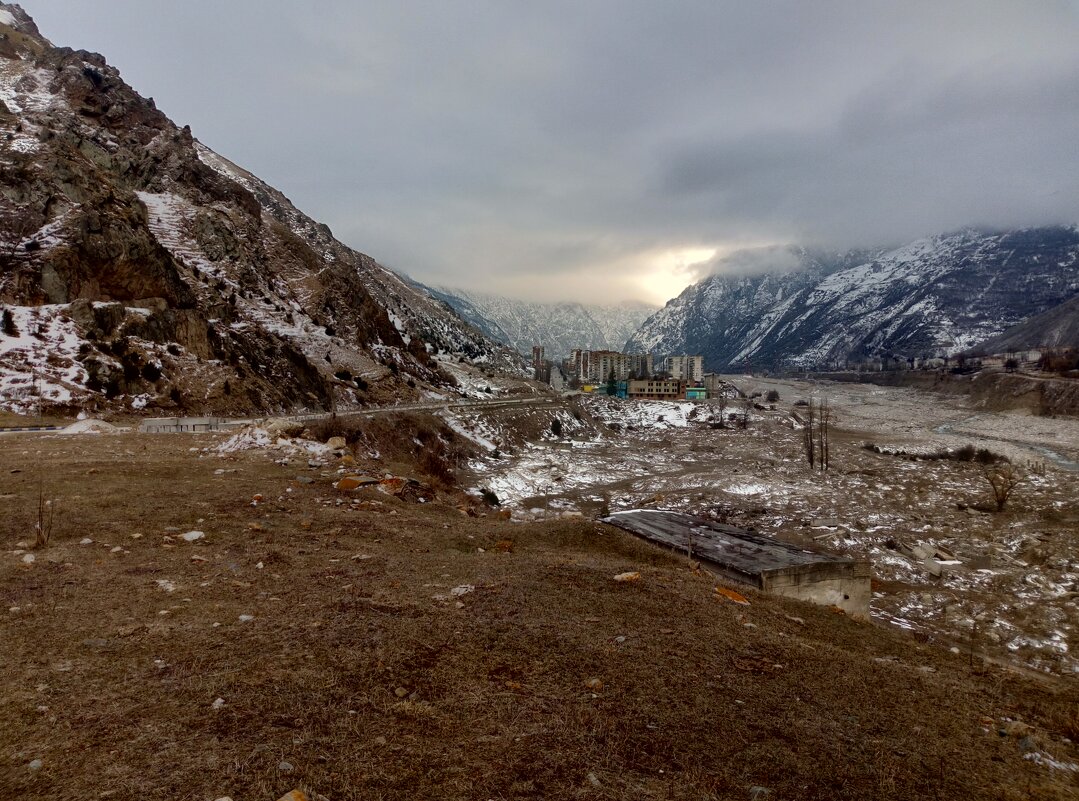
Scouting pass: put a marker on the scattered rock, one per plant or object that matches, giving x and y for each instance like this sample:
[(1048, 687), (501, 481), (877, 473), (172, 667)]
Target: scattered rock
[(336, 443), (594, 684), (218, 703), (305, 480), (1016, 728), (757, 793), (86, 541), (825, 522), (35, 765), (400, 692), (349, 483), (246, 618), (28, 558), (627, 577), (732, 596), (165, 585), (593, 779), (284, 767), (464, 589), (192, 536)]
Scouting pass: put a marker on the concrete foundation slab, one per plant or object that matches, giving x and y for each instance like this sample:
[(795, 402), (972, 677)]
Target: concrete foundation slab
[(767, 564)]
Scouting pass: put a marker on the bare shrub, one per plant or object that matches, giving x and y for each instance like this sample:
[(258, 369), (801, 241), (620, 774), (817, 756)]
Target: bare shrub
[(1003, 479), (46, 517), (333, 426)]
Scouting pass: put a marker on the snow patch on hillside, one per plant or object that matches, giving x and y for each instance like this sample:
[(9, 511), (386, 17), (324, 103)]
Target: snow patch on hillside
[(38, 362)]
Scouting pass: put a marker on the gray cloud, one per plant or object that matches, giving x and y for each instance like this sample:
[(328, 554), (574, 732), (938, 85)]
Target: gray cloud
[(564, 150)]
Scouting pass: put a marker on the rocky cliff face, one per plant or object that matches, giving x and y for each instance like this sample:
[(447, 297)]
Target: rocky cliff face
[(139, 269), (559, 327), (939, 295)]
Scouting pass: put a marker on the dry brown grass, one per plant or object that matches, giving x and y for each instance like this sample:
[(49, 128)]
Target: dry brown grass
[(353, 671)]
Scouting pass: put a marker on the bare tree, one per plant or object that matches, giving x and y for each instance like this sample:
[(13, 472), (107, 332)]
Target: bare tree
[(721, 403), (824, 415), (815, 435), (1003, 479), (808, 435), (743, 418)]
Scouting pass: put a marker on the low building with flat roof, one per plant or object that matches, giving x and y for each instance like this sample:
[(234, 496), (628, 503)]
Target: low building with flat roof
[(656, 389), (746, 557)]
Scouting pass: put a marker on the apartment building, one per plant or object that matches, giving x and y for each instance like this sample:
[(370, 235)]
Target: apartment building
[(685, 368)]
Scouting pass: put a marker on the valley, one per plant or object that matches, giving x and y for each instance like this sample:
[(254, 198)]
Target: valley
[(280, 521), (1012, 581)]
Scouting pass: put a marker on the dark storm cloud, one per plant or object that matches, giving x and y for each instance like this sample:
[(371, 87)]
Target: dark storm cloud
[(568, 149)]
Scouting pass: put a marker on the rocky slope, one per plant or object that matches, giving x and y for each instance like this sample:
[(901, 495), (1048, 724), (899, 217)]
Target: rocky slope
[(140, 270), (1056, 328), (559, 327), (941, 294)]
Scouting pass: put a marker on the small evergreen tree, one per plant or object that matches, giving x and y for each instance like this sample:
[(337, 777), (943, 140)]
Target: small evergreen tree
[(7, 323)]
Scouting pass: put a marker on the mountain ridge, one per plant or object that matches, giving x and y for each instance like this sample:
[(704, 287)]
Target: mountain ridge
[(559, 326), (143, 271), (936, 295)]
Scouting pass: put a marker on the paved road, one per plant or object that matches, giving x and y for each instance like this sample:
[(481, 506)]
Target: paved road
[(432, 406)]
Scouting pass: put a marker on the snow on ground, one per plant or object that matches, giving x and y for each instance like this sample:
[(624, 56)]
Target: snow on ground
[(1013, 579), (258, 438), (171, 218), (38, 362), (472, 382), (643, 414), (479, 430), (25, 89), (89, 426)]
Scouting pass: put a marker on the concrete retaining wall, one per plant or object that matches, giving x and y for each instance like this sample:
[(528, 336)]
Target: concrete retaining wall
[(182, 425)]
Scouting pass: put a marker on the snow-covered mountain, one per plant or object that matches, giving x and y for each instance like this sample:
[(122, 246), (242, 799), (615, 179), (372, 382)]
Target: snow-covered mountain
[(141, 270), (941, 294), (559, 327)]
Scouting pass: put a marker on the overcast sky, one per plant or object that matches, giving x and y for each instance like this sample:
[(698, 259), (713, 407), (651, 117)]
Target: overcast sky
[(606, 150)]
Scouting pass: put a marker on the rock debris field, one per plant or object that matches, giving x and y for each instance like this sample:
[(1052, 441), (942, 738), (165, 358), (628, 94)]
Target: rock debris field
[(947, 566)]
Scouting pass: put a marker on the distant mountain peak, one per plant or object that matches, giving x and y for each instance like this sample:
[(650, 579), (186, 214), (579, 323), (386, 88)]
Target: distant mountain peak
[(938, 294), (560, 327)]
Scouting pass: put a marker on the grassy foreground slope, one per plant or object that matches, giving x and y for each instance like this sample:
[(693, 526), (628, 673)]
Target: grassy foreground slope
[(403, 650)]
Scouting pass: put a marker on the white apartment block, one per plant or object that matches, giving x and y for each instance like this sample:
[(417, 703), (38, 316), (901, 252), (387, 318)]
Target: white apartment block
[(685, 368)]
